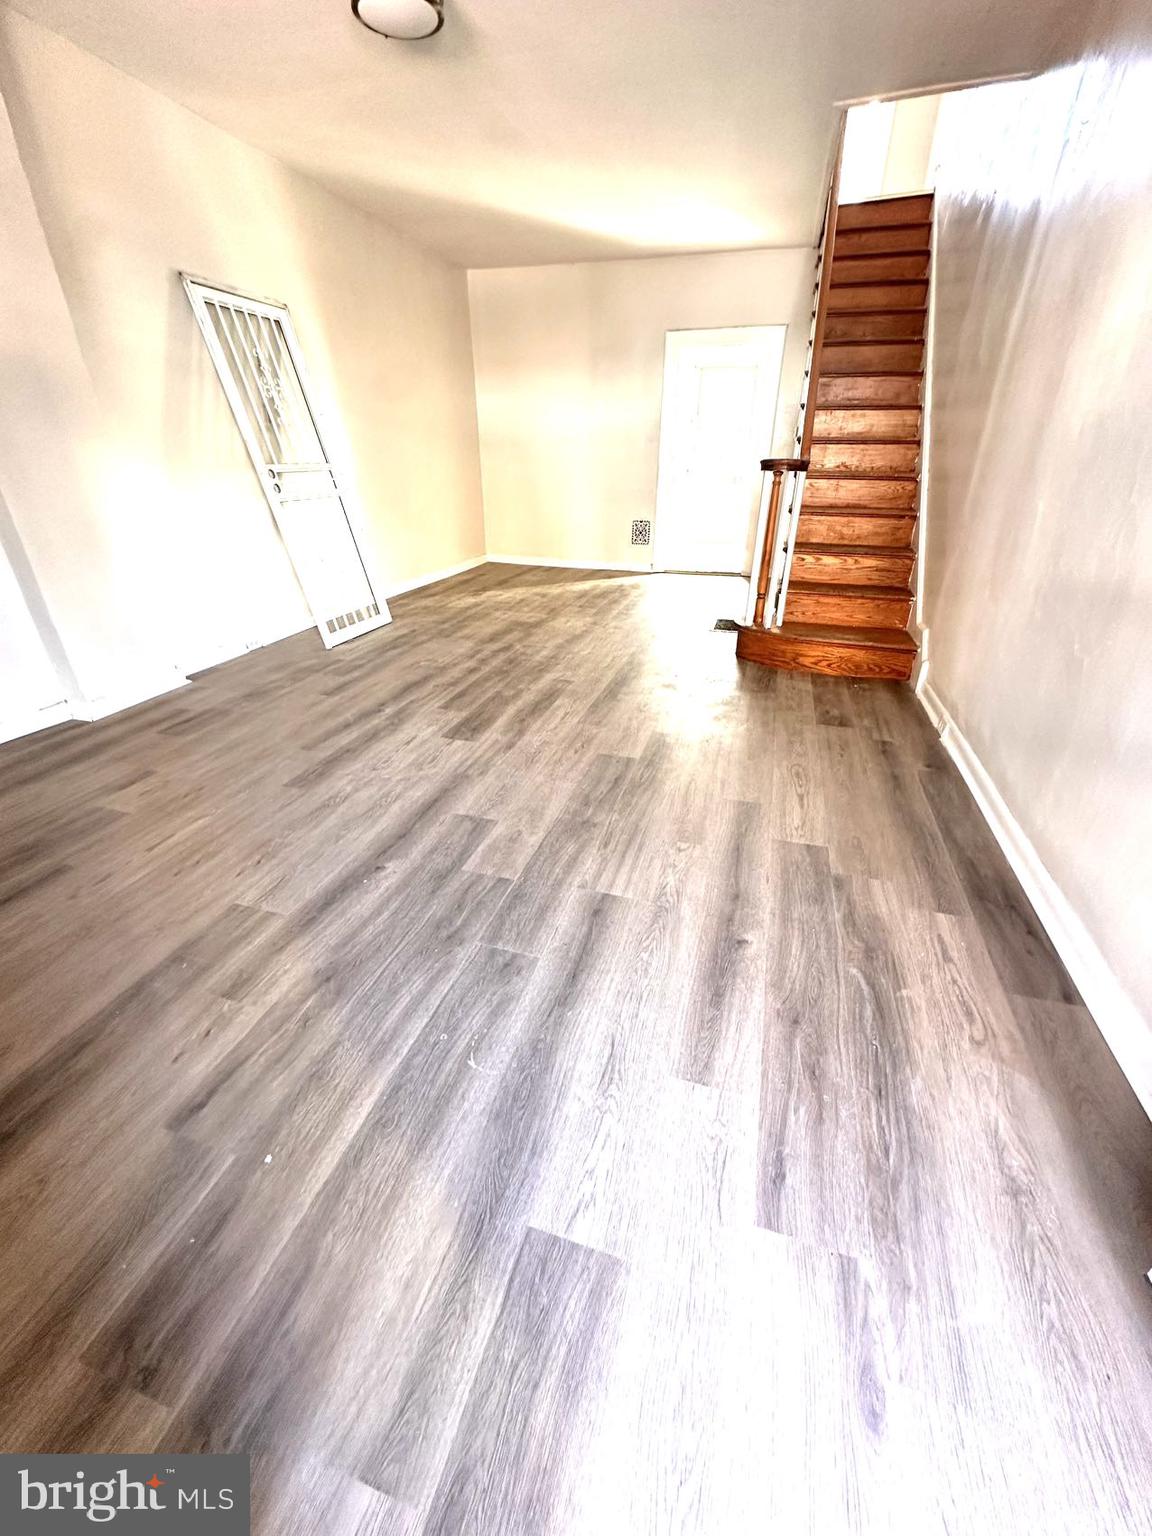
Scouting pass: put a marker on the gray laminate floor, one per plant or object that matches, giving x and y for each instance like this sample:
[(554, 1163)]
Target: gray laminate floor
[(522, 1075)]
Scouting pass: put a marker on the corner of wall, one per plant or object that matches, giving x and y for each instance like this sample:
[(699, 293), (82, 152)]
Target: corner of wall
[(126, 695)]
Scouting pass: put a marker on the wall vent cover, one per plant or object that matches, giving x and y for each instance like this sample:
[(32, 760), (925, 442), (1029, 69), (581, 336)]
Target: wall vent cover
[(642, 531)]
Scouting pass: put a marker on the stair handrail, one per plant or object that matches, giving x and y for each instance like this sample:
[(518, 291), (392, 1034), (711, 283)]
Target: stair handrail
[(806, 420), (823, 295)]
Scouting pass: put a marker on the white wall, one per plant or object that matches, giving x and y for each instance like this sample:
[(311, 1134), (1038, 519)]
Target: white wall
[(129, 189), (908, 163), (30, 687), (888, 148), (66, 554), (1038, 577), (569, 371)]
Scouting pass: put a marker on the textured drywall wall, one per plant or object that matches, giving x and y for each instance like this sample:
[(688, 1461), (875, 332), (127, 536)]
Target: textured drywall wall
[(131, 189), (1038, 571), (569, 377)]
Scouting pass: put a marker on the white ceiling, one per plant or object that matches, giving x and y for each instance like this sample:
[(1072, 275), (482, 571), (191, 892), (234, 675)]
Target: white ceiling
[(559, 130)]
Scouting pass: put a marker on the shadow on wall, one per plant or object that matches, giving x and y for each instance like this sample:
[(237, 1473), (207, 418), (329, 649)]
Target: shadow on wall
[(13, 553), (400, 412), (425, 216)]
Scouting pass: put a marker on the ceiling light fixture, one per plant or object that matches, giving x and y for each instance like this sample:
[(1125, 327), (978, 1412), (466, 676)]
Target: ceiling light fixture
[(406, 19)]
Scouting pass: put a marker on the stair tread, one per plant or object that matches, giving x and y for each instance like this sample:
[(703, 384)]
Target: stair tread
[(910, 223), (844, 510), (906, 224), (876, 282), (879, 309), (874, 309), (843, 441), (920, 226), (808, 548), (916, 206), (878, 341), (839, 510), (855, 229), (859, 474), (883, 373), (844, 634), (908, 250), (847, 589), (913, 312)]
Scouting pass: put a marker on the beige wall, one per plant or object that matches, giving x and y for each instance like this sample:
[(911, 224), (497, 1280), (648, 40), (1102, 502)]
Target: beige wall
[(908, 163), (569, 374), (66, 555), (888, 148), (1038, 575), (30, 686), (129, 189)]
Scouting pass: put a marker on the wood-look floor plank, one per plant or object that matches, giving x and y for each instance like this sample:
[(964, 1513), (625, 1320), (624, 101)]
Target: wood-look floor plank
[(497, 1192), (1019, 947), (519, 1443), (722, 994), (525, 1072)]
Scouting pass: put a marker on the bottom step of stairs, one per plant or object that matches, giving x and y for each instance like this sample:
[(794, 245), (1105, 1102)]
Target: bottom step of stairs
[(830, 648)]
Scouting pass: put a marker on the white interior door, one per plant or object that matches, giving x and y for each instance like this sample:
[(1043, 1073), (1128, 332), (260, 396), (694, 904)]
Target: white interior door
[(257, 357), (720, 390)]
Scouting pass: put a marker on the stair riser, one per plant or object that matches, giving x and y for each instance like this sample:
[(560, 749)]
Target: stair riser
[(855, 570), (872, 357), (906, 325), (889, 495), (791, 655), (867, 458), (848, 389), (869, 242), (862, 612), (881, 296), (873, 269), (887, 211), (880, 532), (847, 426)]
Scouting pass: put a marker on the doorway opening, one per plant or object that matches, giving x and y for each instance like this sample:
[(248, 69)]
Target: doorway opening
[(716, 424)]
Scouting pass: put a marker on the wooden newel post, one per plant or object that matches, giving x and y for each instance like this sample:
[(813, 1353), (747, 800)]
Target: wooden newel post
[(768, 549), (769, 545)]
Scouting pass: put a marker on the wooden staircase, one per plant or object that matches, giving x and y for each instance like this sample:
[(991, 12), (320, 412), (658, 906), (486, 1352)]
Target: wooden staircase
[(849, 598)]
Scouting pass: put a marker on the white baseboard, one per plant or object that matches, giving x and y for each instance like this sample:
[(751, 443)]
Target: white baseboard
[(923, 638), (220, 655), (1128, 1033), (127, 698), (434, 576), (566, 565), (15, 726), (81, 708)]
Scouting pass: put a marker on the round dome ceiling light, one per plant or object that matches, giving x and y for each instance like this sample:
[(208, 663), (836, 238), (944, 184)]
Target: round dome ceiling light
[(402, 19)]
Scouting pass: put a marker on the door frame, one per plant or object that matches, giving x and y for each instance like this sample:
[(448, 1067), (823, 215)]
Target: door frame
[(200, 290), (676, 344)]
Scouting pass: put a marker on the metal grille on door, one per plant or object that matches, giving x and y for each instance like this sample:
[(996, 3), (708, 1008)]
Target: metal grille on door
[(257, 357)]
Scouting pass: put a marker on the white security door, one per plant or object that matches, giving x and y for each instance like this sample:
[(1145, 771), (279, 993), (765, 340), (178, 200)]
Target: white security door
[(716, 423), (257, 357)]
